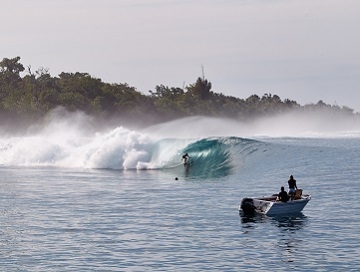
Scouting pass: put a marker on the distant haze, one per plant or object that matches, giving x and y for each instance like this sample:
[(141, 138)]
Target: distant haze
[(302, 50), (291, 124)]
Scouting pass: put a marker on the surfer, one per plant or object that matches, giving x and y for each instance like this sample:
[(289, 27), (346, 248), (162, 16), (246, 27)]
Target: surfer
[(186, 158)]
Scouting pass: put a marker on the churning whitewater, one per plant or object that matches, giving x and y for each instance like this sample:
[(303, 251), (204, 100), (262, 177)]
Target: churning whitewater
[(119, 148)]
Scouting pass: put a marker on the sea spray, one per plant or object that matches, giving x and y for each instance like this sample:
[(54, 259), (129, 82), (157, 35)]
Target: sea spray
[(119, 148)]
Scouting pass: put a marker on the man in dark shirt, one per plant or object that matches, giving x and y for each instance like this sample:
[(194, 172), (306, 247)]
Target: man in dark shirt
[(283, 196)]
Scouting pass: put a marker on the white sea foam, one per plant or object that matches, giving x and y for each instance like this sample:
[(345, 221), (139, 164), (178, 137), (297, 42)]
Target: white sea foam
[(60, 145)]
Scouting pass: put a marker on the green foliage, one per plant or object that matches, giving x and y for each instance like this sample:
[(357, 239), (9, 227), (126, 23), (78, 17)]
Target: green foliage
[(201, 89), (10, 70), (32, 96)]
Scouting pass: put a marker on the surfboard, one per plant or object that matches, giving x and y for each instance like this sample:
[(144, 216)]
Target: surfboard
[(174, 166)]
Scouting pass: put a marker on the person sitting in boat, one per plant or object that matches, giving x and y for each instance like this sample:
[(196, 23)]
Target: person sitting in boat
[(185, 158), (292, 187), (283, 196)]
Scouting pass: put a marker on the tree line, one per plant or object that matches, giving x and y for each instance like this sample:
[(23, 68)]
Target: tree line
[(25, 99)]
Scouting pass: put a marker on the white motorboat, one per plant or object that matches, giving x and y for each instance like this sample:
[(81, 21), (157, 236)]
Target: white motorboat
[(270, 205)]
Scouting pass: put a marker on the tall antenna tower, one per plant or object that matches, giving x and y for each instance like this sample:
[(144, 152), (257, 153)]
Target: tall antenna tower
[(202, 71)]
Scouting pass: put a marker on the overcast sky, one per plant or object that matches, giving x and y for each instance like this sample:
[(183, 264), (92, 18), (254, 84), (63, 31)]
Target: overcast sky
[(304, 50)]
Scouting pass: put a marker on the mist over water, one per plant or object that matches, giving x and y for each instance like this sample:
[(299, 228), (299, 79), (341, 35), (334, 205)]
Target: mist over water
[(292, 124)]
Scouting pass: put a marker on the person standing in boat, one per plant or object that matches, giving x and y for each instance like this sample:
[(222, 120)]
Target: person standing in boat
[(292, 187), (283, 196)]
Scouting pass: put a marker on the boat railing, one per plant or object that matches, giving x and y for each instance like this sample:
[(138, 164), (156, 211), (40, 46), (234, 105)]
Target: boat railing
[(268, 198)]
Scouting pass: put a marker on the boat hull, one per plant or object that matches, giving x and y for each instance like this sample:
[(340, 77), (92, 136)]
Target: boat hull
[(269, 205)]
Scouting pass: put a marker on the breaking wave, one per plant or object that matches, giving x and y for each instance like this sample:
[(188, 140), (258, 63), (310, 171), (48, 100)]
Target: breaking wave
[(68, 142), (124, 149)]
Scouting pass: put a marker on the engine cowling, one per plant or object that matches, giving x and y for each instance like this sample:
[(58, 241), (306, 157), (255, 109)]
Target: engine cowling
[(247, 206)]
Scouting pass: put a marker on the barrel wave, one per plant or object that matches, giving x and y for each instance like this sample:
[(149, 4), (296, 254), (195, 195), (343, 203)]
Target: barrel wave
[(124, 149)]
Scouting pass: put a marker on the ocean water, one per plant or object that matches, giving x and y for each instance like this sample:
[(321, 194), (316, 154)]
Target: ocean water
[(122, 201)]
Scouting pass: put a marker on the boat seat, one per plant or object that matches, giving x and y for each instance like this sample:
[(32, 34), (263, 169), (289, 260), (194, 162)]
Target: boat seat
[(298, 194)]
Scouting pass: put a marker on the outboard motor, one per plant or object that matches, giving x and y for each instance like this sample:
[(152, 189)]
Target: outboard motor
[(247, 206)]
